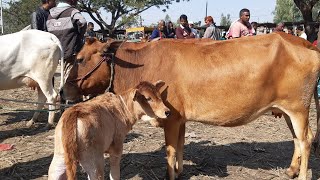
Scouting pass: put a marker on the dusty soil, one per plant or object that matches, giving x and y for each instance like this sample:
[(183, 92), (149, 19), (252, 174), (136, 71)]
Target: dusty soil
[(259, 150)]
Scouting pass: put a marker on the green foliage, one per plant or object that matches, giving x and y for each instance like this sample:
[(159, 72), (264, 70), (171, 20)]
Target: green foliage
[(288, 11), (121, 11), (225, 20), (17, 14)]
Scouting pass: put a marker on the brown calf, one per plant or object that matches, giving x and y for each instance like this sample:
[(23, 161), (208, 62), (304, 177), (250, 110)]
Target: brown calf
[(87, 130)]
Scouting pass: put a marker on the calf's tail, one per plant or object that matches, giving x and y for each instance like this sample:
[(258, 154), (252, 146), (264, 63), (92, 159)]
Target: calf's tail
[(69, 141)]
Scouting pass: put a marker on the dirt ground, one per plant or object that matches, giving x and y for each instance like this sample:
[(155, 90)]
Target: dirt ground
[(259, 150)]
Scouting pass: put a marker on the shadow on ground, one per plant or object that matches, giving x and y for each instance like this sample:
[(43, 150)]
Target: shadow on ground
[(203, 159)]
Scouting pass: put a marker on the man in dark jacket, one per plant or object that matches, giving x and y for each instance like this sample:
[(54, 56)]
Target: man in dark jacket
[(68, 24), (40, 16)]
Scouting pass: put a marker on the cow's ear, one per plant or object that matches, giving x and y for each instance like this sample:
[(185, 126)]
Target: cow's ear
[(135, 94), (159, 84), (90, 40)]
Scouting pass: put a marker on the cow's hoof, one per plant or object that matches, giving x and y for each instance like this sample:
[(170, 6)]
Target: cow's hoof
[(30, 123), (292, 172)]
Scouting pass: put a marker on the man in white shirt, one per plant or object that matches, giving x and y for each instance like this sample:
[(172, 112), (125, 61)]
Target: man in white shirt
[(301, 33)]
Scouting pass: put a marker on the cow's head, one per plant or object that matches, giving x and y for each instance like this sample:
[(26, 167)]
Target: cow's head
[(88, 75), (147, 103)]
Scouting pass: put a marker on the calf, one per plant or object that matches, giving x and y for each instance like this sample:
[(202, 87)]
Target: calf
[(89, 129)]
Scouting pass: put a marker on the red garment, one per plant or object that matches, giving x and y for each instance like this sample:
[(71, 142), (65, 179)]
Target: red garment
[(5, 147), (184, 33), (315, 43)]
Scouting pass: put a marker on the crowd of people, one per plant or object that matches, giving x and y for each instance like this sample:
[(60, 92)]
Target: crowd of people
[(69, 25)]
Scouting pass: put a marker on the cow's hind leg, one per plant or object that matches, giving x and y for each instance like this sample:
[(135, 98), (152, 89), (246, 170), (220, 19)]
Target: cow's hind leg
[(298, 124), (41, 100)]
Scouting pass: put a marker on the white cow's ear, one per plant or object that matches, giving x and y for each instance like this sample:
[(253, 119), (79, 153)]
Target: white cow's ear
[(159, 84)]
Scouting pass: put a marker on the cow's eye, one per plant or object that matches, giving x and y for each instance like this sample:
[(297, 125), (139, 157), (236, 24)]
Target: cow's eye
[(80, 60), (149, 99)]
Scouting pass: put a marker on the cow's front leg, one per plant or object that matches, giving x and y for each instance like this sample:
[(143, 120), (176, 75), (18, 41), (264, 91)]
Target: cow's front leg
[(41, 99), (171, 131)]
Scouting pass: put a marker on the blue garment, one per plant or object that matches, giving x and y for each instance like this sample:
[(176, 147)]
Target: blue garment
[(155, 34)]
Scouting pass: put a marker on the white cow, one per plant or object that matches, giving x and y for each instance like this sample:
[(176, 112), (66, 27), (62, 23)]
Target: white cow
[(31, 58)]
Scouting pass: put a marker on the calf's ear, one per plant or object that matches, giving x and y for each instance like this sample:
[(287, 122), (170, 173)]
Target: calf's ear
[(159, 84)]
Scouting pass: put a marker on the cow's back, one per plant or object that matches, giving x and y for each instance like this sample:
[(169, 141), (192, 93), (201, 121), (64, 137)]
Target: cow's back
[(26, 53), (224, 82)]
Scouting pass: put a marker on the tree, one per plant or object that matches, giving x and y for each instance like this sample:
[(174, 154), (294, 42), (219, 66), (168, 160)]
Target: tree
[(286, 11), (119, 10), (167, 18), (225, 20), (17, 14)]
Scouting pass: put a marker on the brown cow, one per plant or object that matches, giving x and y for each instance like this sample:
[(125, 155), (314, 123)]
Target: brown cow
[(87, 130), (224, 83)]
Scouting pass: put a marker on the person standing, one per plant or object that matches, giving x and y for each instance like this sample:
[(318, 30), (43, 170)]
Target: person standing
[(241, 27), (159, 32), (279, 27), (67, 23), (212, 30), (194, 30), (184, 31), (301, 33), (90, 32), (171, 30), (40, 16)]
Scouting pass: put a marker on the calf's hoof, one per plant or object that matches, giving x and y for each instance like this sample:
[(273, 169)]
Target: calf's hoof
[(292, 172)]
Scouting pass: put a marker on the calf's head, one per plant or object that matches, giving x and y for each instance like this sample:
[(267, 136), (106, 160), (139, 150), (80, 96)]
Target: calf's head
[(147, 103)]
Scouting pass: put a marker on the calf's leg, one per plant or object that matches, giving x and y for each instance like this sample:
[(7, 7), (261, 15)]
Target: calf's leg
[(181, 140), (93, 164), (57, 169), (115, 158)]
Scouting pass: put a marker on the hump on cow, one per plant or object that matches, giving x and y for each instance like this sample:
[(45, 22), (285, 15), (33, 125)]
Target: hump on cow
[(31, 58), (104, 120)]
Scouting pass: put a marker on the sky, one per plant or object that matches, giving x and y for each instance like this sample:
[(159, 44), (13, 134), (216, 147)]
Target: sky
[(261, 11)]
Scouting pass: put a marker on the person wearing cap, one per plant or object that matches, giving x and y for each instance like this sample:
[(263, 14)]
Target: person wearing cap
[(193, 30), (212, 31), (184, 31)]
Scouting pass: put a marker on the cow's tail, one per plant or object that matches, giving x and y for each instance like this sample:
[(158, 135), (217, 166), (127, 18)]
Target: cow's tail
[(69, 141), (316, 142)]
